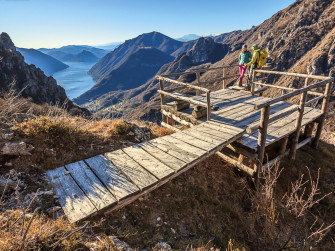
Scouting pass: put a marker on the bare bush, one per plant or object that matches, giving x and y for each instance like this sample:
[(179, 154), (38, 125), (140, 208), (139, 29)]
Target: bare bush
[(287, 222), (10, 104)]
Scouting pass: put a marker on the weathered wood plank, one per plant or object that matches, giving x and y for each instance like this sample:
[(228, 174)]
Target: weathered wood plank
[(164, 156), (133, 171), (75, 203), (173, 150), (148, 162), (193, 141), (112, 178), (185, 146), (91, 185), (202, 136)]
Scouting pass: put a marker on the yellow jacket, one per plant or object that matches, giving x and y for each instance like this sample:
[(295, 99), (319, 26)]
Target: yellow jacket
[(255, 57)]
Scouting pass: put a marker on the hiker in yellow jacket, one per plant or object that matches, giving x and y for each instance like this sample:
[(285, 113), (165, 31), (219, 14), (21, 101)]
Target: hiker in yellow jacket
[(254, 63)]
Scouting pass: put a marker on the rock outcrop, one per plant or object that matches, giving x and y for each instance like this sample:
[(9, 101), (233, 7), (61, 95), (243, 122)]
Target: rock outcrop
[(28, 80)]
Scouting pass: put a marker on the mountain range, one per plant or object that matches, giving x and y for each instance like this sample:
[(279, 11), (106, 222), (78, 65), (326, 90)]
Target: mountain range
[(299, 38), (45, 62)]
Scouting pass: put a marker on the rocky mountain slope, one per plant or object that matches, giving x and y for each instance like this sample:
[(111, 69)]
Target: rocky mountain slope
[(115, 58), (31, 81), (46, 63), (135, 70), (204, 51)]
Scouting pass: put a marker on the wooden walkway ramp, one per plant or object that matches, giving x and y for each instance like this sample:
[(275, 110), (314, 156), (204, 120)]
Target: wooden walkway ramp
[(115, 179)]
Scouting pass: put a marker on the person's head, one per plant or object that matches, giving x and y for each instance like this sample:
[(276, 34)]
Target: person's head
[(244, 48), (255, 47)]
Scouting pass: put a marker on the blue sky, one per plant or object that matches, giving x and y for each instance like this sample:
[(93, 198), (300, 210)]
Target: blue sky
[(54, 23)]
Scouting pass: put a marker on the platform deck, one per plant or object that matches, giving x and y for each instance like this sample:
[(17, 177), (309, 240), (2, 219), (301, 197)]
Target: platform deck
[(236, 109), (112, 180)]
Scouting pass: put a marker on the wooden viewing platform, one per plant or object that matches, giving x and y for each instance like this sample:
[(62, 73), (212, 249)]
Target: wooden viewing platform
[(237, 125)]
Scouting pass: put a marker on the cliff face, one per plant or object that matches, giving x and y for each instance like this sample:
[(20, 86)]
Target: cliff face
[(33, 83)]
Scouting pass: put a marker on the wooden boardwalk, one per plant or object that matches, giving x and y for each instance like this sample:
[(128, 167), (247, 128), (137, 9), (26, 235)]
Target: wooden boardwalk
[(110, 181)]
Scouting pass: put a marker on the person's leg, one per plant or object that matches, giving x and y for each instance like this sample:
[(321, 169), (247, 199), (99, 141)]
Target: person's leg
[(241, 77), (242, 72)]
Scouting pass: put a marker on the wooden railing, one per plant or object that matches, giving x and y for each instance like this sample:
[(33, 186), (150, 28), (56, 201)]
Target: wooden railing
[(171, 92), (265, 117)]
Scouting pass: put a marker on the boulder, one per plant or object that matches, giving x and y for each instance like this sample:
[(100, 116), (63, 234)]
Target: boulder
[(6, 134), (17, 149)]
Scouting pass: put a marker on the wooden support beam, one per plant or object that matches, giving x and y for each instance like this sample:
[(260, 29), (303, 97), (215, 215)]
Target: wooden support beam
[(283, 144), (239, 165), (294, 93), (208, 97), (324, 110), (180, 105), (253, 82), (224, 86), (170, 127), (240, 150), (161, 86), (197, 92), (262, 133), (296, 134), (199, 112), (281, 156), (179, 120)]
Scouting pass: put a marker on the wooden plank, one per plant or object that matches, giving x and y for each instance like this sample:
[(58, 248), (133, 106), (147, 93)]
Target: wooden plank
[(292, 74), (193, 141), (185, 146), (236, 163), (202, 136), (169, 160), (219, 135), (75, 203), (91, 185), (173, 150), (133, 171), (148, 162), (111, 177)]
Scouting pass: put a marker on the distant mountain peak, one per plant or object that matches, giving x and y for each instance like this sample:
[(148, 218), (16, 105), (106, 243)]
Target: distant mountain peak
[(188, 37)]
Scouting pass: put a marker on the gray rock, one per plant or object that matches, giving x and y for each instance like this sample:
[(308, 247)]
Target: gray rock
[(6, 134), (120, 244), (20, 117), (164, 246), (17, 149)]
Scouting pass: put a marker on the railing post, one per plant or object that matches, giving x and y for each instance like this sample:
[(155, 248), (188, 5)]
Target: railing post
[(262, 133), (161, 86), (253, 78), (208, 97), (197, 92), (300, 115), (224, 80), (296, 133), (324, 110)]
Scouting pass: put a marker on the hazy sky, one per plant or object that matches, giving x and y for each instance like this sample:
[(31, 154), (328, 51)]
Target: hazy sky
[(54, 23)]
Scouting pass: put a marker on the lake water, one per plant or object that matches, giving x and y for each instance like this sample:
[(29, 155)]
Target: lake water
[(75, 79)]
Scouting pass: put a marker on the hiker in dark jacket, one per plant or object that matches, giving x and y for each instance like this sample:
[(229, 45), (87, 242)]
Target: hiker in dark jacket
[(244, 58)]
